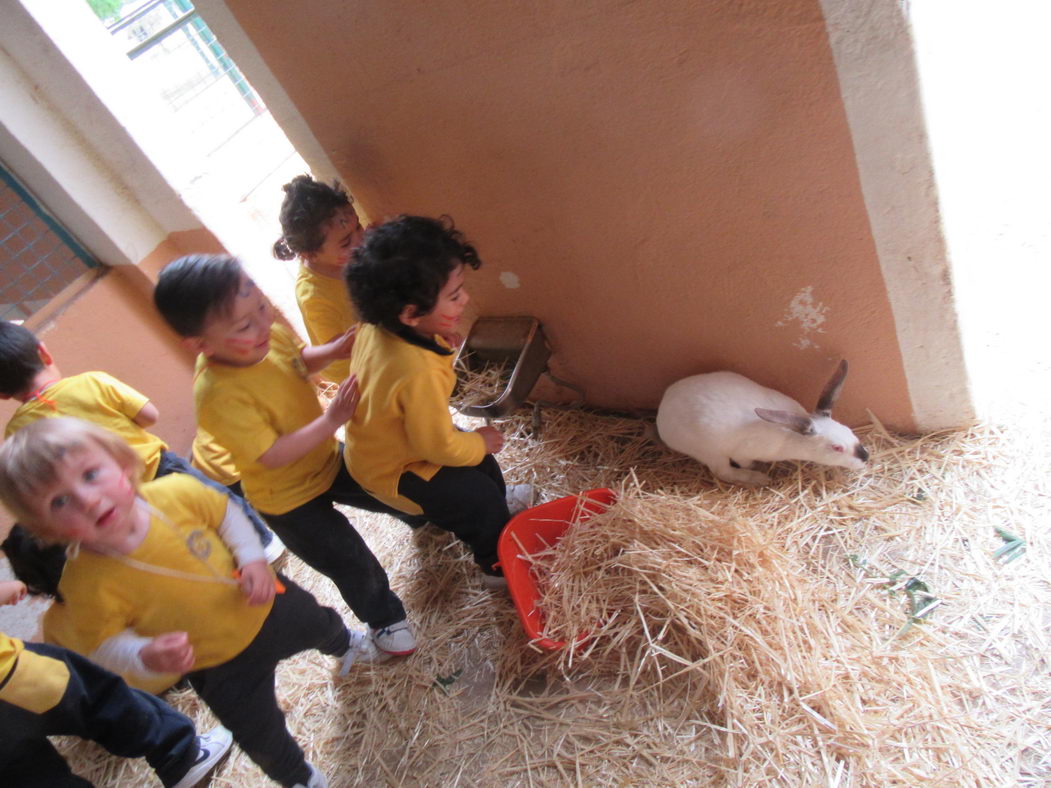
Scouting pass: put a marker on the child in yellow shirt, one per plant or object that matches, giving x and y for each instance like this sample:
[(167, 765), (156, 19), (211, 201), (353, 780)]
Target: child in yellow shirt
[(254, 395), (29, 374), (407, 283), (320, 226), (167, 578)]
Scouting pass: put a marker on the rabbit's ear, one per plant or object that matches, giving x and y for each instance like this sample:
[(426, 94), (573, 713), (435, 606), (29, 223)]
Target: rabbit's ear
[(801, 424), (831, 393)]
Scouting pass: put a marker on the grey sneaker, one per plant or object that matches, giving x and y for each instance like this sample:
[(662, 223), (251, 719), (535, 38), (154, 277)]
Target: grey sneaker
[(361, 649), (396, 640), (211, 747), (494, 582), (317, 779), (519, 498)]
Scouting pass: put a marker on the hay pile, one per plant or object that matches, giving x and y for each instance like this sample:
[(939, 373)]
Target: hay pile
[(744, 636), (482, 386), (793, 657)]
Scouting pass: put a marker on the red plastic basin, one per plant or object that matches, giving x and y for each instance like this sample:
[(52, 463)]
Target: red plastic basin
[(532, 531)]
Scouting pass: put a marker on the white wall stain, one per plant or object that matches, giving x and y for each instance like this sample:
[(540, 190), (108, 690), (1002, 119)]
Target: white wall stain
[(809, 314), (510, 280)]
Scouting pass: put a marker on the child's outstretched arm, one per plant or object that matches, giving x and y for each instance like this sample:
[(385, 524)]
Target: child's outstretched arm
[(317, 357), (12, 592), (291, 447)]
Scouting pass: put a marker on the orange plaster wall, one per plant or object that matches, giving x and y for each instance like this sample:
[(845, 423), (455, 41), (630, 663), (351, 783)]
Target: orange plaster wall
[(111, 325), (663, 178)]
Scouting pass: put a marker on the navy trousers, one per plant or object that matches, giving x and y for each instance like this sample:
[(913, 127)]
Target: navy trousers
[(99, 706)]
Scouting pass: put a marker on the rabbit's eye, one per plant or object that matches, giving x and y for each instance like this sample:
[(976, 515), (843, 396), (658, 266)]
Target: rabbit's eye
[(837, 448)]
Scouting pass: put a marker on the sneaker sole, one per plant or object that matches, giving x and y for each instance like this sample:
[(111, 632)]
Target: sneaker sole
[(396, 653)]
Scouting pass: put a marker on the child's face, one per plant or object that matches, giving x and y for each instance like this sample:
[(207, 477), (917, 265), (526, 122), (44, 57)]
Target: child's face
[(443, 319), (343, 232), (242, 337), (91, 500)]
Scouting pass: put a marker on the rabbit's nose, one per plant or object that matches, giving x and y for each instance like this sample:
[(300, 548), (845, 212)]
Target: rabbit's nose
[(861, 453)]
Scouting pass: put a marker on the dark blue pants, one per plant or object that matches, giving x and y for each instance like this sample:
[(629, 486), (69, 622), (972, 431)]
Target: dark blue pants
[(470, 502), (99, 706), (329, 543), (240, 692)]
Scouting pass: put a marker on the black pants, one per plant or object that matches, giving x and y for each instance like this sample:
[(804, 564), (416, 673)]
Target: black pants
[(99, 706), (469, 502), (240, 692), (328, 542)]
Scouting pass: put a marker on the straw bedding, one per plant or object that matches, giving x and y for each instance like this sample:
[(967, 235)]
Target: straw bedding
[(738, 636)]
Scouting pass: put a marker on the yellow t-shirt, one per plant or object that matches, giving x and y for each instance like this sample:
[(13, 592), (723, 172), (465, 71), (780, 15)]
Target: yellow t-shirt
[(104, 594), (327, 312), (102, 400), (247, 409), (31, 681), (402, 422), (213, 460)]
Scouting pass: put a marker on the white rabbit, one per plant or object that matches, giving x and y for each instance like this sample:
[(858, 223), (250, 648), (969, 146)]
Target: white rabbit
[(729, 422)]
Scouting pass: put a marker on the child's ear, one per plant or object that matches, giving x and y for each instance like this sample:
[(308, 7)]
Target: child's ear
[(45, 357), (409, 316), (196, 345)]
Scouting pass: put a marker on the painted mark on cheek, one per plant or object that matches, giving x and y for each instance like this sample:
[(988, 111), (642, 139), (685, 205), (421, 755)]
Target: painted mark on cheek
[(510, 280), (809, 314)]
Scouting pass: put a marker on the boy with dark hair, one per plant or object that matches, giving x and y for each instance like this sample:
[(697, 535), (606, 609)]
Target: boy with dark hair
[(28, 373), (253, 394), (407, 283)]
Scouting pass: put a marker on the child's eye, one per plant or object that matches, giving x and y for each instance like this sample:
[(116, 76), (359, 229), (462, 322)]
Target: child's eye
[(91, 474), (59, 501)]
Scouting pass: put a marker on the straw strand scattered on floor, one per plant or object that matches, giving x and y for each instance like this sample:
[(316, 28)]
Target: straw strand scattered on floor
[(739, 636)]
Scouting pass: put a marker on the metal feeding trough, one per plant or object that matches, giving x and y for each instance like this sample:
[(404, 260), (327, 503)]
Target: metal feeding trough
[(515, 342)]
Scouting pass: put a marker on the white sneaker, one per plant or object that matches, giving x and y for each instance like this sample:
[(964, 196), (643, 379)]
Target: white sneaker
[(396, 640), (362, 649), (519, 498), (211, 747), (275, 550), (317, 779)]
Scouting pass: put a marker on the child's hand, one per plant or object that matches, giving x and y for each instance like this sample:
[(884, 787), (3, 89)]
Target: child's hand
[(454, 339), (343, 345), (12, 592), (168, 653), (343, 405), (257, 584), (317, 357), (494, 441)]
